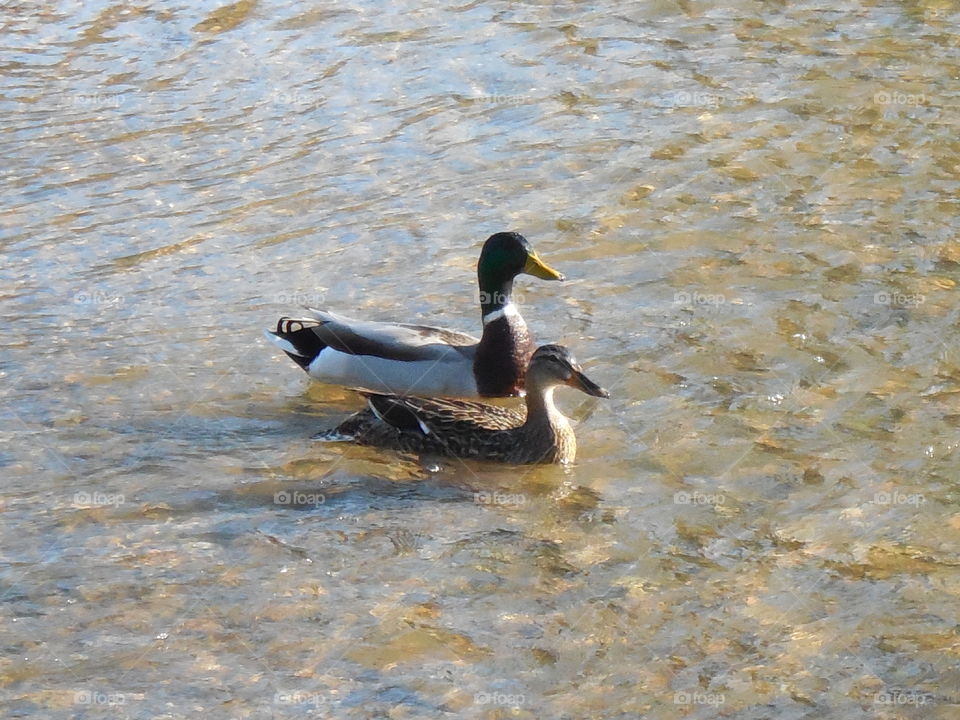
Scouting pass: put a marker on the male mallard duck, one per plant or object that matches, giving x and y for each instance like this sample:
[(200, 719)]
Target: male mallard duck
[(538, 433), (418, 360)]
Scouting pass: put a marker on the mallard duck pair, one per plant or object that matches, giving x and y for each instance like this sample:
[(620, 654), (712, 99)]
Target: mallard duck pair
[(391, 362)]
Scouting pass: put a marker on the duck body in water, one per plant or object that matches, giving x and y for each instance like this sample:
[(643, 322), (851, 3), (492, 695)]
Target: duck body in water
[(403, 359), (535, 433)]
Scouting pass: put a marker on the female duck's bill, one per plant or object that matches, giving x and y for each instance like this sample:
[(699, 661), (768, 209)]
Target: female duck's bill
[(536, 433), (407, 359)]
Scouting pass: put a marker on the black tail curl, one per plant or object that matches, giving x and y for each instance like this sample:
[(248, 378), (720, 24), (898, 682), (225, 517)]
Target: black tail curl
[(300, 334)]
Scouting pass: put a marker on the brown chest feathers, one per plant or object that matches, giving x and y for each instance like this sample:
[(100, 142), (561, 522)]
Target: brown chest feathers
[(500, 365)]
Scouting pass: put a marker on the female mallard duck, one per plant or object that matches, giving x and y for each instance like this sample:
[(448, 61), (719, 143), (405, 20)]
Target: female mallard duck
[(538, 433), (418, 360)]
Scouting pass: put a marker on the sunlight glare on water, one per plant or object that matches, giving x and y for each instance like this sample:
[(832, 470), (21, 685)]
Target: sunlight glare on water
[(756, 207)]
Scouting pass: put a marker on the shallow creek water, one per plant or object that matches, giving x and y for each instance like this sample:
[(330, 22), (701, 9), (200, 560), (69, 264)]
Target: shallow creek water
[(756, 207)]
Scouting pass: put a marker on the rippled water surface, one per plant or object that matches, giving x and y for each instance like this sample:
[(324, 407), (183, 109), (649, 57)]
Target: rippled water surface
[(756, 205)]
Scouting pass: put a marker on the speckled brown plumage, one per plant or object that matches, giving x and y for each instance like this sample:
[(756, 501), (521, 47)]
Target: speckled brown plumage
[(535, 433)]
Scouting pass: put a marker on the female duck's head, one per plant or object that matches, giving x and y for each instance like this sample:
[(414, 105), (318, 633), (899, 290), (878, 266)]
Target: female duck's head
[(553, 365)]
